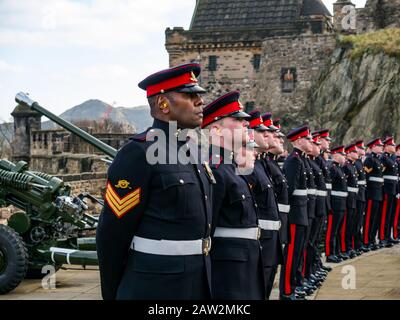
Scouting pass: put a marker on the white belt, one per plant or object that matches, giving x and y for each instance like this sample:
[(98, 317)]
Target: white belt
[(269, 225), (395, 178), (300, 192), (329, 186), (362, 182), (339, 194), (376, 179), (311, 192), (283, 207), (321, 193), (351, 189), (171, 247), (246, 233)]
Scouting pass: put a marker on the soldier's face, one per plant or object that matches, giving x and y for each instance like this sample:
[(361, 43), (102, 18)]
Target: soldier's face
[(261, 139), (361, 152), (325, 144), (278, 148), (245, 158), (234, 132), (271, 139), (377, 149), (316, 150), (353, 156), (186, 109), (398, 152), (390, 149)]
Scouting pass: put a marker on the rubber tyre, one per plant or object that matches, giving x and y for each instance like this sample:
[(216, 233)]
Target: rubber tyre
[(15, 259)]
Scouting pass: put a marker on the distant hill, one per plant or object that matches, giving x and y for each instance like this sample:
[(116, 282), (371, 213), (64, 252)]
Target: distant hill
[(139, 117)]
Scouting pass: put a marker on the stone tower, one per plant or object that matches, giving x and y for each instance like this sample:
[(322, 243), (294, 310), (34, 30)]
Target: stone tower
[(25, 120), (344, 16)]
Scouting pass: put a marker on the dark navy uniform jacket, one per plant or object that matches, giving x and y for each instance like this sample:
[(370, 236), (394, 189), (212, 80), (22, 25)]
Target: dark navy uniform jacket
[(390, 168), (350, 171), (320, 205), (296, 175), (281, 192), (323, 164), (311, 203), (236, 262), (361, 177), (339, 183), (262, 188), (373, 169), (159, 201)]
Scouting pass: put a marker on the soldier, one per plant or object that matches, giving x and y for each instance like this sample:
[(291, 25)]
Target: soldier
[(313, 274), (264, 194), (374, 193), (391, 180), (271, 157), (236, 257), (396, 219), (295, 172), (322, 160), (282, 157), (350, 220), (338, 201), (153, 234), (361, 199)]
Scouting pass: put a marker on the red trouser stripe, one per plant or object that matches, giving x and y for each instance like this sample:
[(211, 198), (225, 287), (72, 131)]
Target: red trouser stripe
[(367, 218), (383, 218), (353, 242), (396, 220), (289, 261), (328, 236), (303, 272), (344, 226)]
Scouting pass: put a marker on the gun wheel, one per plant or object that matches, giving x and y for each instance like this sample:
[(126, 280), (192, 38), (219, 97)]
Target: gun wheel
[(13, 259)]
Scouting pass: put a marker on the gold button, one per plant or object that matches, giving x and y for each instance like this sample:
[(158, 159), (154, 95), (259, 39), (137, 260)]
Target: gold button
[(206, 197), (243, 196)]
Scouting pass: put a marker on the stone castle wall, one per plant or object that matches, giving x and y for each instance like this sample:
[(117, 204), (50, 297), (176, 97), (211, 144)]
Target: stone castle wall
[(307, 55)]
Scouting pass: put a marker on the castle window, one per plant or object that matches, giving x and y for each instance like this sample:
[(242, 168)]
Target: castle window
[(249, 106), (257, 62), (212, 63), (288, 78)]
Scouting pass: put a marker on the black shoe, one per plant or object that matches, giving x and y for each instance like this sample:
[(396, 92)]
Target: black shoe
[(365, 249), (359, 252), (326, 268), (382, 243), (299, 292), (353, 254), (333, 259), (388, 244), (285, 297), (344, 256), (394, 241), (375, 247)]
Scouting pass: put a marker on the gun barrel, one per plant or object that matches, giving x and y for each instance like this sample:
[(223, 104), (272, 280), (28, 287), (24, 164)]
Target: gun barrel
[(23, 99)]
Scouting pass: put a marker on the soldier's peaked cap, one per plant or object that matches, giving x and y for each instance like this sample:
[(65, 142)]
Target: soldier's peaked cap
[(339, 150), (360, 144), (182, 78), (324, 133), (256, 121), (297, 133), (226, 106), (389, 141), (350, 148), (375, 142), (268, 122)]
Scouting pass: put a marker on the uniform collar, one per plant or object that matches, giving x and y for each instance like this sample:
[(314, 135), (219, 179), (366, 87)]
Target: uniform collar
[(165, 127), (299, 152)]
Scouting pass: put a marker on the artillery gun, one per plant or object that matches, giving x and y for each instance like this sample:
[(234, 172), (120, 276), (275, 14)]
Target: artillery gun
[(52, 226)]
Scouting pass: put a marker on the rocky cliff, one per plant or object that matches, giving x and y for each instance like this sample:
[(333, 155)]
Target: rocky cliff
[(358, 94)]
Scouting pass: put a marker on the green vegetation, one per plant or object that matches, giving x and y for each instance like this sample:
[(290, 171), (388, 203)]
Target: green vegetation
[(385, 40)]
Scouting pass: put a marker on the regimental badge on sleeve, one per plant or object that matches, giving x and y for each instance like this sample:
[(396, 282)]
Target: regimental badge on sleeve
[(368, 170), (121, 205)]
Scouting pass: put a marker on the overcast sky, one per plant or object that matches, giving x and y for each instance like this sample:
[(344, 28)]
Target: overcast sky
[(64, 52)]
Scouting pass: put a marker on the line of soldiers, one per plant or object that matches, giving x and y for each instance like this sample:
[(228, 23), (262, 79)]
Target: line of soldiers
[(218, 226)]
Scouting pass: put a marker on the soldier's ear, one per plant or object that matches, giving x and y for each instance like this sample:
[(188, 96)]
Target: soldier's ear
[(163, 104)]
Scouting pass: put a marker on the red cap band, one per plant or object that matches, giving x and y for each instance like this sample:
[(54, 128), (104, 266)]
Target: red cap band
[(225, 110), (186, 78), (300, 135), (255, 122)]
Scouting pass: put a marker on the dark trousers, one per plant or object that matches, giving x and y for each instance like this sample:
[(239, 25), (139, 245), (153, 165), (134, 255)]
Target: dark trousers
[(301, 269), (269, 275), (291, 259), (332, 242), (348, 230), (360, 212), (388, 211), (396, 220), (312, 253), (371, 221)]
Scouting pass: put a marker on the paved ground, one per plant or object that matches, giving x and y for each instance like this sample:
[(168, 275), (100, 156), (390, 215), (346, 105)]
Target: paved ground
[(377, 276)]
